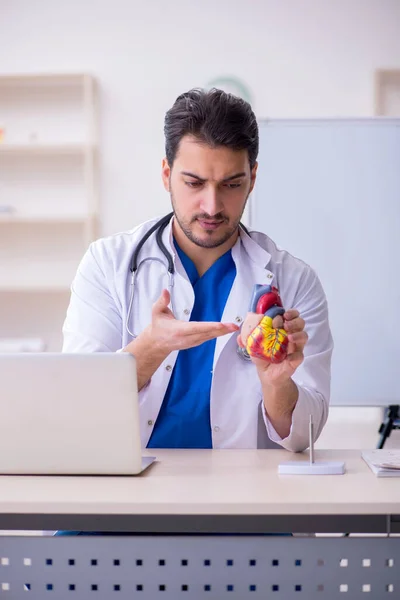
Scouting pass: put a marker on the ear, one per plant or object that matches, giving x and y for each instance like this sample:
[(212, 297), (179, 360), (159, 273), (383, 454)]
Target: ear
[(253, 176), (165, 174)]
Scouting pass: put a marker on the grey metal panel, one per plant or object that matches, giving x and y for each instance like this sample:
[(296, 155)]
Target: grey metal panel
[(166, 567)]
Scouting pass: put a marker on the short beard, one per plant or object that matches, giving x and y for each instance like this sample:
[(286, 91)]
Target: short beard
[(207, 243)]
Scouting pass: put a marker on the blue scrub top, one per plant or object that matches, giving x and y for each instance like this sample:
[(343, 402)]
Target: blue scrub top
[(184, 418)]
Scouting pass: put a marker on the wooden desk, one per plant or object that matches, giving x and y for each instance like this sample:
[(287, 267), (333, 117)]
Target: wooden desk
[(208, 492), (236, 490)]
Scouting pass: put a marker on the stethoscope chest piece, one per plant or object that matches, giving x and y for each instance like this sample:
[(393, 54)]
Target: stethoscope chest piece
[(244, 355)]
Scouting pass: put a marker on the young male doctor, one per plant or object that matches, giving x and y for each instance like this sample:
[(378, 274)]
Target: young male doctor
[(196, 390)]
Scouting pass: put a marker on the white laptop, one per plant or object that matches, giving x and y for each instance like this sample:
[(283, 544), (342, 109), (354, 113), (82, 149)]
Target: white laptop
[(69, 414)]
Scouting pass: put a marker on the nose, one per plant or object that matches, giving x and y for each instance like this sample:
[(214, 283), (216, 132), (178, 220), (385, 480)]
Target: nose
[(211, 202)]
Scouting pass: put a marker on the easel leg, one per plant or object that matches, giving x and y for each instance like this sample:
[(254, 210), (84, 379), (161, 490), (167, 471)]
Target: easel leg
[(392, 413)]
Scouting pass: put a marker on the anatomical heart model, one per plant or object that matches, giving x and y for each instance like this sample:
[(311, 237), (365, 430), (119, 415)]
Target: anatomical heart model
[(264, 336)]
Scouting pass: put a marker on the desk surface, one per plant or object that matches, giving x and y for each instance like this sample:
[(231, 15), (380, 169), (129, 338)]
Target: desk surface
[(217, 482)]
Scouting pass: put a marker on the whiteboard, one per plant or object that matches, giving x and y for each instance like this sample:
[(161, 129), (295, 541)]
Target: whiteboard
[(328, 191)]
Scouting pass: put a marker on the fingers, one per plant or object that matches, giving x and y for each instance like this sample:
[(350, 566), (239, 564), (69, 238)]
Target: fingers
[(195, 339), (174, 334), (295, 359), (294, 325), (189, 335), (161, 305), (249, 324), (261, 364), (291, 314), (165, 297), (299, 339), (277, 322), (207, 328), (240, 342)]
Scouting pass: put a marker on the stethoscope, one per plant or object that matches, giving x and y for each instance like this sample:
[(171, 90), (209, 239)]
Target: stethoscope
[(134, 268)]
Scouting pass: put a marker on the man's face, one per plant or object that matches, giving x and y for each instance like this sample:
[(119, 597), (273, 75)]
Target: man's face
[(209, 188)]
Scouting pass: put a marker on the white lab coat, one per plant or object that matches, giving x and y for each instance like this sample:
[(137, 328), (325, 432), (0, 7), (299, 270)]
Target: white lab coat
[(96, 317)]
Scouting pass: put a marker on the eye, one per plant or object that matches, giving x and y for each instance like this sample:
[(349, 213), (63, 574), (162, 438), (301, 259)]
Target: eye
[(193, 184), (233, 186)]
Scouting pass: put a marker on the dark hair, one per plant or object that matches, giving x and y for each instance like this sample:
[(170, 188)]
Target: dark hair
[(215, 118)]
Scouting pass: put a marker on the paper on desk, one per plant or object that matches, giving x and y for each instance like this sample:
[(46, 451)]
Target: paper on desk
[(383, 459)]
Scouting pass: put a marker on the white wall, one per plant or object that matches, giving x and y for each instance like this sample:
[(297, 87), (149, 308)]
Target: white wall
[(299, 58)]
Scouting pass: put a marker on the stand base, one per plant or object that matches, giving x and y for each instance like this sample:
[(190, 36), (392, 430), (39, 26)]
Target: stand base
[(295, 467)]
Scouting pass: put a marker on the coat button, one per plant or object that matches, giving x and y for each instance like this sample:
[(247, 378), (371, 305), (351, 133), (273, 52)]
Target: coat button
[(238, 319), (186, 311), (149, 422), (168, 368), (216, 429)]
